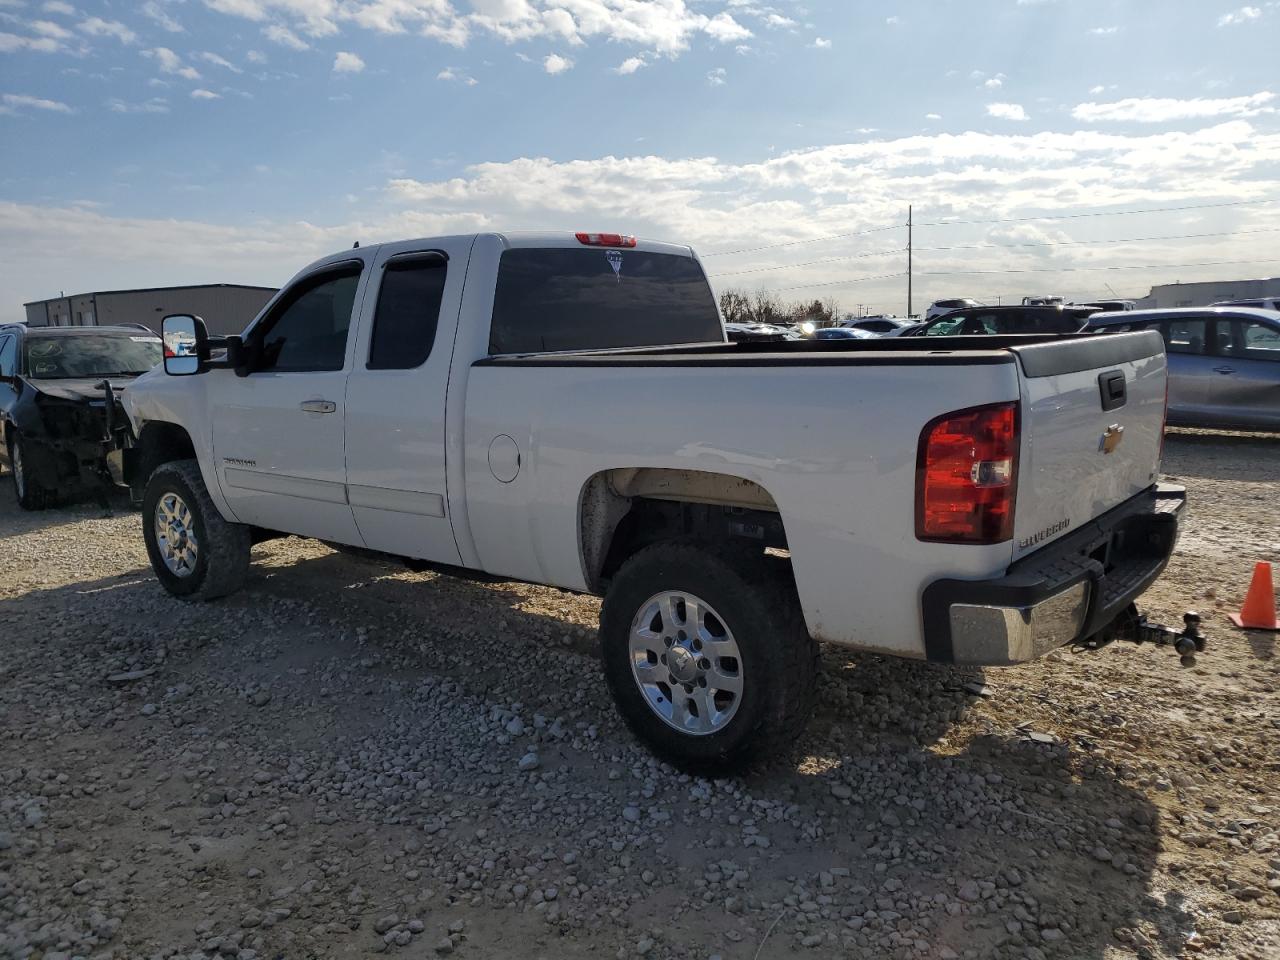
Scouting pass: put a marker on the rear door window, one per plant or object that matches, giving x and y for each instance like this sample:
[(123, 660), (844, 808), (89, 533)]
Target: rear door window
[(404, 324), (596, 298), (1246, 339)]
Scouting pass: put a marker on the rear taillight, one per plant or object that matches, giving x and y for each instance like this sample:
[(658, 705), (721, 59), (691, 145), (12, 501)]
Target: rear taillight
[(967, 475), (606, 239)]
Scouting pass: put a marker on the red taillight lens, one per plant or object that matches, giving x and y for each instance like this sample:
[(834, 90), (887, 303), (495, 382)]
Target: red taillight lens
[(606, 239), (967, 475)]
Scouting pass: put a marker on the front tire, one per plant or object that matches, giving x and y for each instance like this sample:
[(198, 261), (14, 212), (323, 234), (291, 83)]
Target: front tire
[(706, 655), (31, 493), (195, 553)]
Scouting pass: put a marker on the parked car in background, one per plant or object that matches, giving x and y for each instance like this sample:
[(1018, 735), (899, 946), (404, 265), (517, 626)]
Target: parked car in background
[(64, 430), (757, 333), (880, 326), (1258, 303), (981, 321), (843, 333), (939, 307), (1110, 305), (1051, 300), (1224, 362)]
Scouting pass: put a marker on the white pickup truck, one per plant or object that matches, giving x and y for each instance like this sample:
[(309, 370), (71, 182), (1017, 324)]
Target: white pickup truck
[(564, 409)]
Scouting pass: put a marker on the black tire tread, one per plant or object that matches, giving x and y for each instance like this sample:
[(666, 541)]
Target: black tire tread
[(37, 496), (795, 659), (226, 545)]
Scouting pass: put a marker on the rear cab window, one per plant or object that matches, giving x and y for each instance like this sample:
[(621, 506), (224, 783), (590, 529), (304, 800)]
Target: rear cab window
[(596, 298)]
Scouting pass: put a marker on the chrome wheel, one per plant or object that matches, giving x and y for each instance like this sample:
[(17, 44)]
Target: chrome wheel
[(176, 535), (19, 473), (686, 662)]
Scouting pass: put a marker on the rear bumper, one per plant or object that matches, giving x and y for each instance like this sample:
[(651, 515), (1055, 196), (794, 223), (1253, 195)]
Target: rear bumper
[(1067, 591)]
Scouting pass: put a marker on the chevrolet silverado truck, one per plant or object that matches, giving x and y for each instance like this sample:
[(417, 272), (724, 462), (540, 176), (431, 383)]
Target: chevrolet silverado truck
[(564, 409)]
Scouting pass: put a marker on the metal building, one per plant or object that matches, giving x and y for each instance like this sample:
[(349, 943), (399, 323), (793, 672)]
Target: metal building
[(225, 307), (1201, 294)]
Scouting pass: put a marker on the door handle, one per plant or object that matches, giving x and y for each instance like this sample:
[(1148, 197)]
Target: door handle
[(1225, 370), (318, 406)]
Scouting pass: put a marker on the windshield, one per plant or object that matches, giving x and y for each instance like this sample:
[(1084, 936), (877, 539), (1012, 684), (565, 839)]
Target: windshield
[(86, 355)]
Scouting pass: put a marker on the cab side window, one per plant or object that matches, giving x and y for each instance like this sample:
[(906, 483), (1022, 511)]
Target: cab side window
[(307, 331), (8, 356), (1184, 336)]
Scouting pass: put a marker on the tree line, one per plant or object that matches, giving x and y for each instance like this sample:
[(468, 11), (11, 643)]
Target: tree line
[(761, 306)]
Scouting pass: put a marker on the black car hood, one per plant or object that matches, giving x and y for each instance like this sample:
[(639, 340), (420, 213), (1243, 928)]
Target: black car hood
[(78, 390)]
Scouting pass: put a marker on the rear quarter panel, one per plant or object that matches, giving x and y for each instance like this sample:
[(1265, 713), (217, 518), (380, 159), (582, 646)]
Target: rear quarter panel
[(834, 445)]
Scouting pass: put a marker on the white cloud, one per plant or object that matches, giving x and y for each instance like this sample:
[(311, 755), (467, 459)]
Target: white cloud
[(1236, 17), (97, 27), (57, 6), (1165, 109), (630, 65), (346, 62), (285, 37), (155, 10), (554, 63), (10, 42), (47, 28), (994, 83), (450, 74), (717, 77), (1104, 31), (821, 43), (218, 61), (665, 27), (154, 105), (933, 116), (893, 21), (15, 101), (256, 56), (799, 195), (1006, 111), (170, 62), (778, 22), (201, 94)]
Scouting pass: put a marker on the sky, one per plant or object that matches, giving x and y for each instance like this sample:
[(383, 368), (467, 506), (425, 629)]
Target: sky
[(205, 141)]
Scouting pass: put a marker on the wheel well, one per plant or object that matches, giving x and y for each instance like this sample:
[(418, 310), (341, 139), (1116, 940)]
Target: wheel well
[(622, 511), (160, 443)]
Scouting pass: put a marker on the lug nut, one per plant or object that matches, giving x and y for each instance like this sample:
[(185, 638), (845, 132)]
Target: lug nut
[(702, 681), (704, 664), (688, 688), (667, 640), (697, 644)]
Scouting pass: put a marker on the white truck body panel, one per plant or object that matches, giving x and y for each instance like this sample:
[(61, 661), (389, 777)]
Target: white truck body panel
[(483, 462)]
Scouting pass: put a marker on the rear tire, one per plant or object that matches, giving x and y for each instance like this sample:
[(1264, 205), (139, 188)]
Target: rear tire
[(742, 691), (31, 493), (196, 554)]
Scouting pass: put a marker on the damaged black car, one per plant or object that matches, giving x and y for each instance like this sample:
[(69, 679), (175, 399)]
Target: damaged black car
[(64, 430)]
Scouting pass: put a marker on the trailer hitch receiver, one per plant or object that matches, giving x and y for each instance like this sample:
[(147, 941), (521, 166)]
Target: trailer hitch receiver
[(1136, 628)]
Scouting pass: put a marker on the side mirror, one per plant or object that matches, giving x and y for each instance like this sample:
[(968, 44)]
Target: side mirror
[(186, 344)]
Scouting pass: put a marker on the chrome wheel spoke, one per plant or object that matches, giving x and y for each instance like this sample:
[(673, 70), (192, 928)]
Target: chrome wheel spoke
[(176, 535), (679, 647)]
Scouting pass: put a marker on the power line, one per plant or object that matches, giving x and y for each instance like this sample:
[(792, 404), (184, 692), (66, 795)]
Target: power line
[(793, 243), (1069, 243), (1130, 266), (993, 246), (974, 273), (948, 223), (809, 263), (1102, 213)]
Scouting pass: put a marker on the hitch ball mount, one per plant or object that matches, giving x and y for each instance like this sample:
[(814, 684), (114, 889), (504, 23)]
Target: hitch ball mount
[(1134, 627)]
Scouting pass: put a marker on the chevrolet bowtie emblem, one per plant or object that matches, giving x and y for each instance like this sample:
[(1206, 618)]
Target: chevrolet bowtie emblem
[(1111, 438)]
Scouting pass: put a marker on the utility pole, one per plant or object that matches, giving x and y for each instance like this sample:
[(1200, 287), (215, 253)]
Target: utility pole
[(909, 260)]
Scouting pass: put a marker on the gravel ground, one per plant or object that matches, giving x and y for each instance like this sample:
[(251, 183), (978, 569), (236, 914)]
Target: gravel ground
[(348, 758)]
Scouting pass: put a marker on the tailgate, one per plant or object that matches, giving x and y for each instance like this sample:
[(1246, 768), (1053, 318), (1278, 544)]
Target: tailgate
[(1092, 420)]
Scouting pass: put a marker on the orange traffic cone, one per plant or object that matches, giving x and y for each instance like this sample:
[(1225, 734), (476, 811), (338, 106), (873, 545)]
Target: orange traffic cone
[(1259, 610)]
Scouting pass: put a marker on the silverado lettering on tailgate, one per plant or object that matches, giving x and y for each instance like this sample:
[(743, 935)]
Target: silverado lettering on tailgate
[(1044, 534)]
